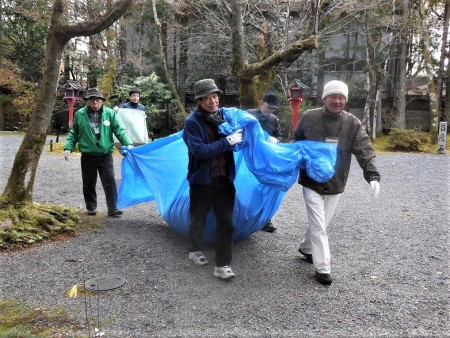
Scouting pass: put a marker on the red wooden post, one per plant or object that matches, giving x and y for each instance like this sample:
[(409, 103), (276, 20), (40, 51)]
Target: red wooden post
[(71, 96), (296, 98)]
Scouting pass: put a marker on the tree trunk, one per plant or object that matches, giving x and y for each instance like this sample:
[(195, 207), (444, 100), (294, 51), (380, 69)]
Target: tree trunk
[(434, 109), (110, 71), (447, 101), (372, 41), (443, 56), (400, 83), (183, 66), (21, 180), (181, 115), (250, 84), (19, 188)]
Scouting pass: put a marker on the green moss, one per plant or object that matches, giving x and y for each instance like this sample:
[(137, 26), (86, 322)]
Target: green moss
[(420, 140), (18, 320), (33, 223)]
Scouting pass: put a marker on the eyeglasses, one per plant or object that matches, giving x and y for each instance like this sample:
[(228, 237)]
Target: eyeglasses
[(94, 99)]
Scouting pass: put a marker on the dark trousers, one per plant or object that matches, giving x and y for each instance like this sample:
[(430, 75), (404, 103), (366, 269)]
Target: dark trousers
[(104, 165), (220, 196)]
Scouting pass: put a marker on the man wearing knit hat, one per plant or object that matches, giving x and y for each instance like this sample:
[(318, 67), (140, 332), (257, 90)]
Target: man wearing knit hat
[(334, 125), (211, 171)]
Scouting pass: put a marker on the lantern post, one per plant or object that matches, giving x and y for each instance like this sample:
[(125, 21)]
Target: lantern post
[(295, 98), (71, 95)]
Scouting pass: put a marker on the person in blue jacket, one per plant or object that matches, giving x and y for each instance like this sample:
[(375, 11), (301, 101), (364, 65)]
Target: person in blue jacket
[(133, 103), (211, 171), (93, 129)]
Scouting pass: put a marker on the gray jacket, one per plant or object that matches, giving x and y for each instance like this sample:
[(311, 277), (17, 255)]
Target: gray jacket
[(352, 139)]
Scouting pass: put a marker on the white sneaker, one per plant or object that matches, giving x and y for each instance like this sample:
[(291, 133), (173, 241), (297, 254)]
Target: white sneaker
[(224, 272), (198, 258)]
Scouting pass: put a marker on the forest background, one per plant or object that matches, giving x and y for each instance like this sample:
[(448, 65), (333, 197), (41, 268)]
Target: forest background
[(391, 53)]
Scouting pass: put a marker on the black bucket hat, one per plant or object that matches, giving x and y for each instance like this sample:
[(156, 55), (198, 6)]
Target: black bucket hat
[(205, 87)]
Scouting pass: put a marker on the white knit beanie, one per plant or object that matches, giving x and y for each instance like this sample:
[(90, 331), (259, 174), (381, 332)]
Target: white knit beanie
[(335, 87)]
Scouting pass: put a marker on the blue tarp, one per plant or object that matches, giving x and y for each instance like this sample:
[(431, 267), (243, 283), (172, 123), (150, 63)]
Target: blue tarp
[(265, 171)]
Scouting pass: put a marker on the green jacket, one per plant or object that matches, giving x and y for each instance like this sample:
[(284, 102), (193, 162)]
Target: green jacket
[(83, 134)]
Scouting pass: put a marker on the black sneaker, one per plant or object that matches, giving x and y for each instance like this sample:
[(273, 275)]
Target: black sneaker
[(269, 227), (115, 213), (308, 257), (92, 212), (324, 278)]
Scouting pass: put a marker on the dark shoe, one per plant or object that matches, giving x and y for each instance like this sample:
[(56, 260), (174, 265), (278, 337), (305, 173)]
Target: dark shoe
[(324, 278), (92, 212), (115, 213), (308, 257), (269, 227)]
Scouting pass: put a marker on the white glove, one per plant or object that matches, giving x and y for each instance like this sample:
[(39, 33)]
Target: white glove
[(273, 140), (235, 138), (116, 108), (66, 154), (130, 146), (375, 185)]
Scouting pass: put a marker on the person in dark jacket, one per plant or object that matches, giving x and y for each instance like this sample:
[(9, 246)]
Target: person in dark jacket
[(334, 125), (133, 103), (269, 123), (211, 171), (135, 123), (93, 129)]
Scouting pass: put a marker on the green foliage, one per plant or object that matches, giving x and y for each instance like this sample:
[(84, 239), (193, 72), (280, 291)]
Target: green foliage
[(155, 96), (407, 140), (22, 99), (24, 29), (383, 144)]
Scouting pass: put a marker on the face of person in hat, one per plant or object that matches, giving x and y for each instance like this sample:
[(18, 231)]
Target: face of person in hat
[(335, 103), (210, 102), (95, 99), (334, 96), (207, 95), (95, 103)]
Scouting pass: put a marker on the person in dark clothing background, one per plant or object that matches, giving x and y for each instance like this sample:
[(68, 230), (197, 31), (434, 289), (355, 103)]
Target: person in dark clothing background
[(211, 171), (333, 125), (269, 123)]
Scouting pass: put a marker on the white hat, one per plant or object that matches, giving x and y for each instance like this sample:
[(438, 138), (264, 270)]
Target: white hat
[(335, 87)]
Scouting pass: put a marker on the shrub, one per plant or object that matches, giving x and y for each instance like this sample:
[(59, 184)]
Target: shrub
[(407, 140)]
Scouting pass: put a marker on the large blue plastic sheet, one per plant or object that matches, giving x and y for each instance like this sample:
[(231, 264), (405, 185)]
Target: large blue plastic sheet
[(264, 172)]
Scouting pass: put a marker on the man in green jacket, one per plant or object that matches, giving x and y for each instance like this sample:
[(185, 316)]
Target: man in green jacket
[(93, 129)]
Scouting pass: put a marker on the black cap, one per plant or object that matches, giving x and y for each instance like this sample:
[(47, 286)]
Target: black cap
[(272, 100)]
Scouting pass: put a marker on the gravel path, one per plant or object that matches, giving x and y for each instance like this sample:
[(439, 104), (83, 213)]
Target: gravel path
[(390, 263)]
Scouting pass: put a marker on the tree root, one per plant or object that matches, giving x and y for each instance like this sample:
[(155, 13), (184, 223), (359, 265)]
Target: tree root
[(24, 225)]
